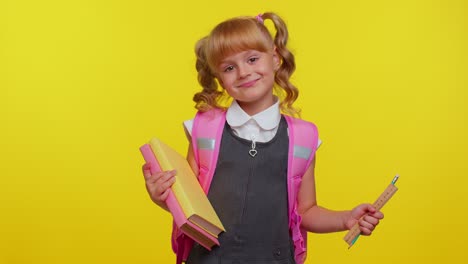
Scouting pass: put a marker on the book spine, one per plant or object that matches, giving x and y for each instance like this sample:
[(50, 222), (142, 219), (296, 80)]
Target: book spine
[(149, 157), (176, 210)]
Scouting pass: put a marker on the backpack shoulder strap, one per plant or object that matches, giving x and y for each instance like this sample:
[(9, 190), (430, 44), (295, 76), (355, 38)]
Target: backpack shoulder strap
[(303, 138), (206, 139)]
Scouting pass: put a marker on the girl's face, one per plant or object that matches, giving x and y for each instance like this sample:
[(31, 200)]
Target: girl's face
[(248, 76)]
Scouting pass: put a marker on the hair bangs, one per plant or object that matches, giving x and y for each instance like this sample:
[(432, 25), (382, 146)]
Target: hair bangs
[(234, 36)]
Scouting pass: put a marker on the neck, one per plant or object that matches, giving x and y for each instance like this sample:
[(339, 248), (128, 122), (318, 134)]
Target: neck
[(253, 108)]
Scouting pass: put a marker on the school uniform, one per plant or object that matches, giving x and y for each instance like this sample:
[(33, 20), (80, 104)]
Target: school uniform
[(249, 191)]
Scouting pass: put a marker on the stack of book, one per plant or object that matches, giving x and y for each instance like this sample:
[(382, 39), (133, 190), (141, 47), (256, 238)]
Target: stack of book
[(188, 204)]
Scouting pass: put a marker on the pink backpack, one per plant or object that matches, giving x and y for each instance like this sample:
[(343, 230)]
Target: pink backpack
[(206, 138)]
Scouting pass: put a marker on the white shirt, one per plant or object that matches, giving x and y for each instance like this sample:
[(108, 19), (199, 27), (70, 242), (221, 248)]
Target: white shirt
[(261, 127)]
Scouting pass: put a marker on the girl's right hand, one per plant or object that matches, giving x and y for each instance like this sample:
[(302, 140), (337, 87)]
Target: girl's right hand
[(158, 184)]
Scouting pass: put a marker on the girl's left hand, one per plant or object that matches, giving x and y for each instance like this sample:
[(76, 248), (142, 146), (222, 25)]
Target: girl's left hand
[(367, 216)]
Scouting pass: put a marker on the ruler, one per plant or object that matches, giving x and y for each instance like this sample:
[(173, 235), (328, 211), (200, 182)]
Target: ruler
[(354, 233)]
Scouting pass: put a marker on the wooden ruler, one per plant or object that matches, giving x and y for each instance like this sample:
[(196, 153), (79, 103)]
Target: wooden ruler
[(354, 232)]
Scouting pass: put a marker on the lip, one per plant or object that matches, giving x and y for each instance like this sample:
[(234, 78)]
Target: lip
[(248, 84)]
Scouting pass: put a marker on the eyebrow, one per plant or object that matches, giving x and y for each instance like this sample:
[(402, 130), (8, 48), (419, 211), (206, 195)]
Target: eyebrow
[(248, 53)]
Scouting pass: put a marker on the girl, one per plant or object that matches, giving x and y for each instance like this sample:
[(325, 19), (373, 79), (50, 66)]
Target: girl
[(249, 188)]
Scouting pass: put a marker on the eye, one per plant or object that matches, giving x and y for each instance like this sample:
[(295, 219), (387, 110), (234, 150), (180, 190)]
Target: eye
[(228, 68), (253, 59)]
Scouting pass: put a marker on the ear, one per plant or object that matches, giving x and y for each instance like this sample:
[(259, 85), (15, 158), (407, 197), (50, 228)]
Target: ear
[(276, 59)]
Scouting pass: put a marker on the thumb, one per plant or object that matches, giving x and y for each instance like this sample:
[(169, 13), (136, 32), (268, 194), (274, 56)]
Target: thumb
[(146, 169), (362, 209)]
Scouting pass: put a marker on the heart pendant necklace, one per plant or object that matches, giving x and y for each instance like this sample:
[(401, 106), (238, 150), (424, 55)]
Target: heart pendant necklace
[(253, 151)]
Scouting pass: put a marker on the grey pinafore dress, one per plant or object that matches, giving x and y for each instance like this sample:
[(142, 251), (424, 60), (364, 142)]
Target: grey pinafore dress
[(250, 197)]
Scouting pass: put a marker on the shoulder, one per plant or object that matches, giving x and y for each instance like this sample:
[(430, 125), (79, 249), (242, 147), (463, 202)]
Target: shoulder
[(206, 117), (303, 130), (300, 122), (301, 125)]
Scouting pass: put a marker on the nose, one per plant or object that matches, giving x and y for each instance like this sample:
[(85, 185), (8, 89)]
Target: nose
[(243, 71)]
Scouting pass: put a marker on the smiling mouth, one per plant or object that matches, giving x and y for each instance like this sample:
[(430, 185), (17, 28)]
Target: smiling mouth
[(248, 84)]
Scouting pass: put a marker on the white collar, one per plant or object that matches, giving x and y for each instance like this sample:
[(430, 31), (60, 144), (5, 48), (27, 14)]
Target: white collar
[(268, 119)]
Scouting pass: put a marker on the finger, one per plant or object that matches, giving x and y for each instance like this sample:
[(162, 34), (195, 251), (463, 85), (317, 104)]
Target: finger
[(365, 231), (164, 195), (161, 197), (378, 215), (153, 178), (146, 169), (146, 166), (166, 185), (366, 227), (365, 224), (360, 210), (165, 176), (370, 219), (370, 209), (156, 185), (159, 177)]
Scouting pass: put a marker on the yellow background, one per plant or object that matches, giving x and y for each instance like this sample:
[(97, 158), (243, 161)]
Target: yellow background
[(84, 83)]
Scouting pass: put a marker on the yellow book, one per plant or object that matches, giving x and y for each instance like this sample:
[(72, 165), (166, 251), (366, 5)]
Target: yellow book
[(187, 190)]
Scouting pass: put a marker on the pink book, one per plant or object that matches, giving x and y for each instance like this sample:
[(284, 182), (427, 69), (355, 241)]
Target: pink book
[(190, 229)]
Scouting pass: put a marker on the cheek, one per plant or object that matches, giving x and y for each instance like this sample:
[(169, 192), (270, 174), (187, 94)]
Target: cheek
[(268, 69), (225, 81)]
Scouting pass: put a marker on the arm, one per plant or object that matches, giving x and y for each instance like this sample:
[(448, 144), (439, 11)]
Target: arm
[(318, 219), (190, 157), (191, 160)]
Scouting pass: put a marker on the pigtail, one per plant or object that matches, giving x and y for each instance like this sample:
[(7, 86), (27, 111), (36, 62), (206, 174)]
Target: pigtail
[(208, 97), (287, 67)]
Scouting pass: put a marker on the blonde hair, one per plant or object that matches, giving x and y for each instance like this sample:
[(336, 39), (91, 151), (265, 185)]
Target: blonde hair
[(239, 34)]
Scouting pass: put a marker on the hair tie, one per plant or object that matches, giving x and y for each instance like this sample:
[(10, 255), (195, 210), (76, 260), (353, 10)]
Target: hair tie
[(259, 18)]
